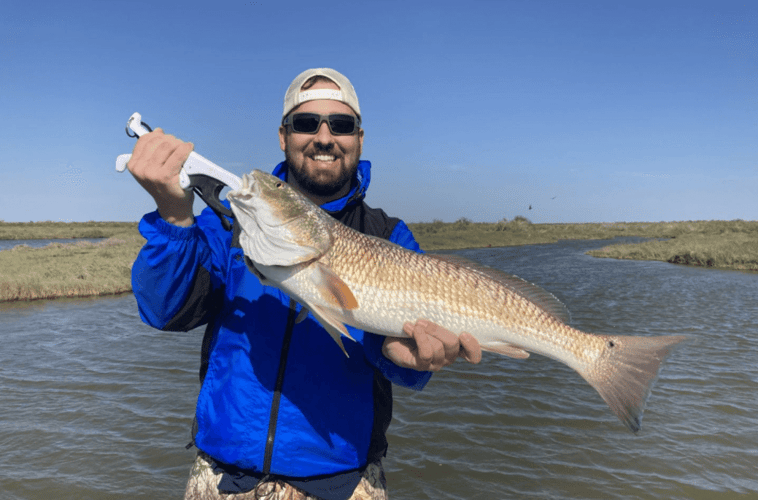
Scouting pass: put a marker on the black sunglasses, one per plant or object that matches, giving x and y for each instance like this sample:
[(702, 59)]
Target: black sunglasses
[(309, 123)]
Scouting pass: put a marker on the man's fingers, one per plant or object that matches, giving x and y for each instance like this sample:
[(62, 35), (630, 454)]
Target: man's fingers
[(431, 347), (158, 158), (424, 345), (470, 349), (179, 155), (449, 341), (403, 352), (169, 152), (144, 147), (155, 164)]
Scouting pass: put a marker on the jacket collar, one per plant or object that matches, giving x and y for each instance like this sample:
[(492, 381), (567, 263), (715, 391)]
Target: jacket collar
[(358, 187)]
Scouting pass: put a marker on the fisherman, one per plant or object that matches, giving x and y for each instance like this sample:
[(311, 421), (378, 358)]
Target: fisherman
[(282, 412)]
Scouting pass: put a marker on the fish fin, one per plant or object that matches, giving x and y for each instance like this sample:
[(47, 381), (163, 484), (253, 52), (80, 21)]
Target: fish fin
[(625, 373), (533, 293), (301, 315), (332, 288), (505, 349), (332, 324)]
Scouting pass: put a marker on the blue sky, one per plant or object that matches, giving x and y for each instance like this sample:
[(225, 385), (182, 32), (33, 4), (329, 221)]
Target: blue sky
[(585, 110)]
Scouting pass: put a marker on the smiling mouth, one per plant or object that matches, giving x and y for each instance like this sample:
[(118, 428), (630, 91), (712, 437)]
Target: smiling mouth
[(324, 157)]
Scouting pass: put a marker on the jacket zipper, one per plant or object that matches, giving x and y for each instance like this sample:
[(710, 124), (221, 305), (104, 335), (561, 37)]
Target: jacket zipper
[(269, 452)]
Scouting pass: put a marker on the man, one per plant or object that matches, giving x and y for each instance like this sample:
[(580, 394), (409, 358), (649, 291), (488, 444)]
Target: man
[(282, 412)]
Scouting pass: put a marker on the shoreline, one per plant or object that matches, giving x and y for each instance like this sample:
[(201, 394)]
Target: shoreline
[(83, 269), (66, 296), (723, 245), (68, 270)]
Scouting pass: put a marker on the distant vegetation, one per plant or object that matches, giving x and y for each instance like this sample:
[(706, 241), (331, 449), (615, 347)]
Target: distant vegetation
[(63, 230), (86, 269), (68, 270), (718, 244), (730, 249)]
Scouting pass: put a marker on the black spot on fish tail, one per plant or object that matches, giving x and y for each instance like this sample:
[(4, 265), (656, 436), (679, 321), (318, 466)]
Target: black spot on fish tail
[(625, 372)]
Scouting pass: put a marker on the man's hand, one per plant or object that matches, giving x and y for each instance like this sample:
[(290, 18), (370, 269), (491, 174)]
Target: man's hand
[(430, 347), (156, 162)]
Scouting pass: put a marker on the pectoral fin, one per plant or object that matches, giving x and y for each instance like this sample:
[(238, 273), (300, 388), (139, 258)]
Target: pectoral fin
[(333, 290), (505, 349), (301, 315)]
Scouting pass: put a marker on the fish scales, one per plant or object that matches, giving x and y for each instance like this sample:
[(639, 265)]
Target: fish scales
[(344, 277), (407, 286)]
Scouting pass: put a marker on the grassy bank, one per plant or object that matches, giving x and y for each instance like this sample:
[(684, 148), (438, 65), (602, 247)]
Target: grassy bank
[(85, 269), (62, 230), (70, 270), (718, 244), (731, 250)]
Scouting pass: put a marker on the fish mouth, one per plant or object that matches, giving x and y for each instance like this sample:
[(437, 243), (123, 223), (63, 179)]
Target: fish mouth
[(255, 184), (250, 189), (263, 214)]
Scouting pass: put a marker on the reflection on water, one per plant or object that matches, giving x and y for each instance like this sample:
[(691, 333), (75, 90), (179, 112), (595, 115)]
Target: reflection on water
[(97, 405)]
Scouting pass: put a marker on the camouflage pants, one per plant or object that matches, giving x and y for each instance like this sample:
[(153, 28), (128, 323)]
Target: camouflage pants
[(203, 485)]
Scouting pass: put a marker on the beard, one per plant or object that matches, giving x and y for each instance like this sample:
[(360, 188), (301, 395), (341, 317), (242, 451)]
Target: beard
[(325, 188)]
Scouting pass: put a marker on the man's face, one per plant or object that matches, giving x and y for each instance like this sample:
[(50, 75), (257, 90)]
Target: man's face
[(321, 165)]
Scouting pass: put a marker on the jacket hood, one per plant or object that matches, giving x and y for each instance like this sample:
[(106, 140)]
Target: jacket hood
[(358, 187)]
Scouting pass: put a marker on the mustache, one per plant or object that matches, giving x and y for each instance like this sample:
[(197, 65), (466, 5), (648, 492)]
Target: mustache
[(323, 148)]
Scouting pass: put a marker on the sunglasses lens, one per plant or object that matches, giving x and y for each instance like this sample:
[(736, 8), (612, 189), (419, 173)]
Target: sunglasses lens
[(342, 124), (306, 123)]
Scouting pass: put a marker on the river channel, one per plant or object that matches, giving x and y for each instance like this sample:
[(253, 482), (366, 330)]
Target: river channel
[(96, 405)]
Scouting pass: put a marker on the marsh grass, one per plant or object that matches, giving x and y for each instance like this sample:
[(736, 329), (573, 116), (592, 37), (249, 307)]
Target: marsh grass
[(78, 269), (718, 244), (63, 230), (440, 235), (731, 250), (86, 269)]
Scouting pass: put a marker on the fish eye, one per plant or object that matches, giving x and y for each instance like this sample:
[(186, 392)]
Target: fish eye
[(279, 185)]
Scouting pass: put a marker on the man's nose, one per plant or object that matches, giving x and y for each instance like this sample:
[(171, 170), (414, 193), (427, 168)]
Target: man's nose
[(324, 134)]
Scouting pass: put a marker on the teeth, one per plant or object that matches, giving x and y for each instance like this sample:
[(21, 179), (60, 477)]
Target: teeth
[(323, 158)]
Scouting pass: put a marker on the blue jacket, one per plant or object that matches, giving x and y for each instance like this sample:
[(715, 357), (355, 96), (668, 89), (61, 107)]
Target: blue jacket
[(298, 410)]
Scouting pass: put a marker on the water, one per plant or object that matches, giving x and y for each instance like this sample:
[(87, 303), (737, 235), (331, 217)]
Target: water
[(95, 405), (8, 244)]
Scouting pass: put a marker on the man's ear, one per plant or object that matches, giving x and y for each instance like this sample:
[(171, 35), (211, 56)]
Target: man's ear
[(283, 137)]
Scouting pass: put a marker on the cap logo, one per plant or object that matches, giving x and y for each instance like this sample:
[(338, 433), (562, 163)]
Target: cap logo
[(310, 95)]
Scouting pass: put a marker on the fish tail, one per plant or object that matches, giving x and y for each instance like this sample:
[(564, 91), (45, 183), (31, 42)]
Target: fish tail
[(625, 372)]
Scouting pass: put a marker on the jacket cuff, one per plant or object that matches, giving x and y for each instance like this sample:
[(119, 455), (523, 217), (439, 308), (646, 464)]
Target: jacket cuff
[(153, 223)]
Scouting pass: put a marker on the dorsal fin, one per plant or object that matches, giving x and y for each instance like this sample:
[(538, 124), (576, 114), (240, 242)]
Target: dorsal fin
[(533, 293)]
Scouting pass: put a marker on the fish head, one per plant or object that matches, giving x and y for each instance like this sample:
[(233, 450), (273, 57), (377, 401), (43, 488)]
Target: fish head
[(279, 225)]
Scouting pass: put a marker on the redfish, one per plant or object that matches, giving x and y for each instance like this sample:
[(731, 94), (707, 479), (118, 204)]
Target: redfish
[(344, 277)]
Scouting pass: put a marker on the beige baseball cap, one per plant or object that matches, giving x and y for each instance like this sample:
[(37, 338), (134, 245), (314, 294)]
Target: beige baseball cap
[(294, 96)]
